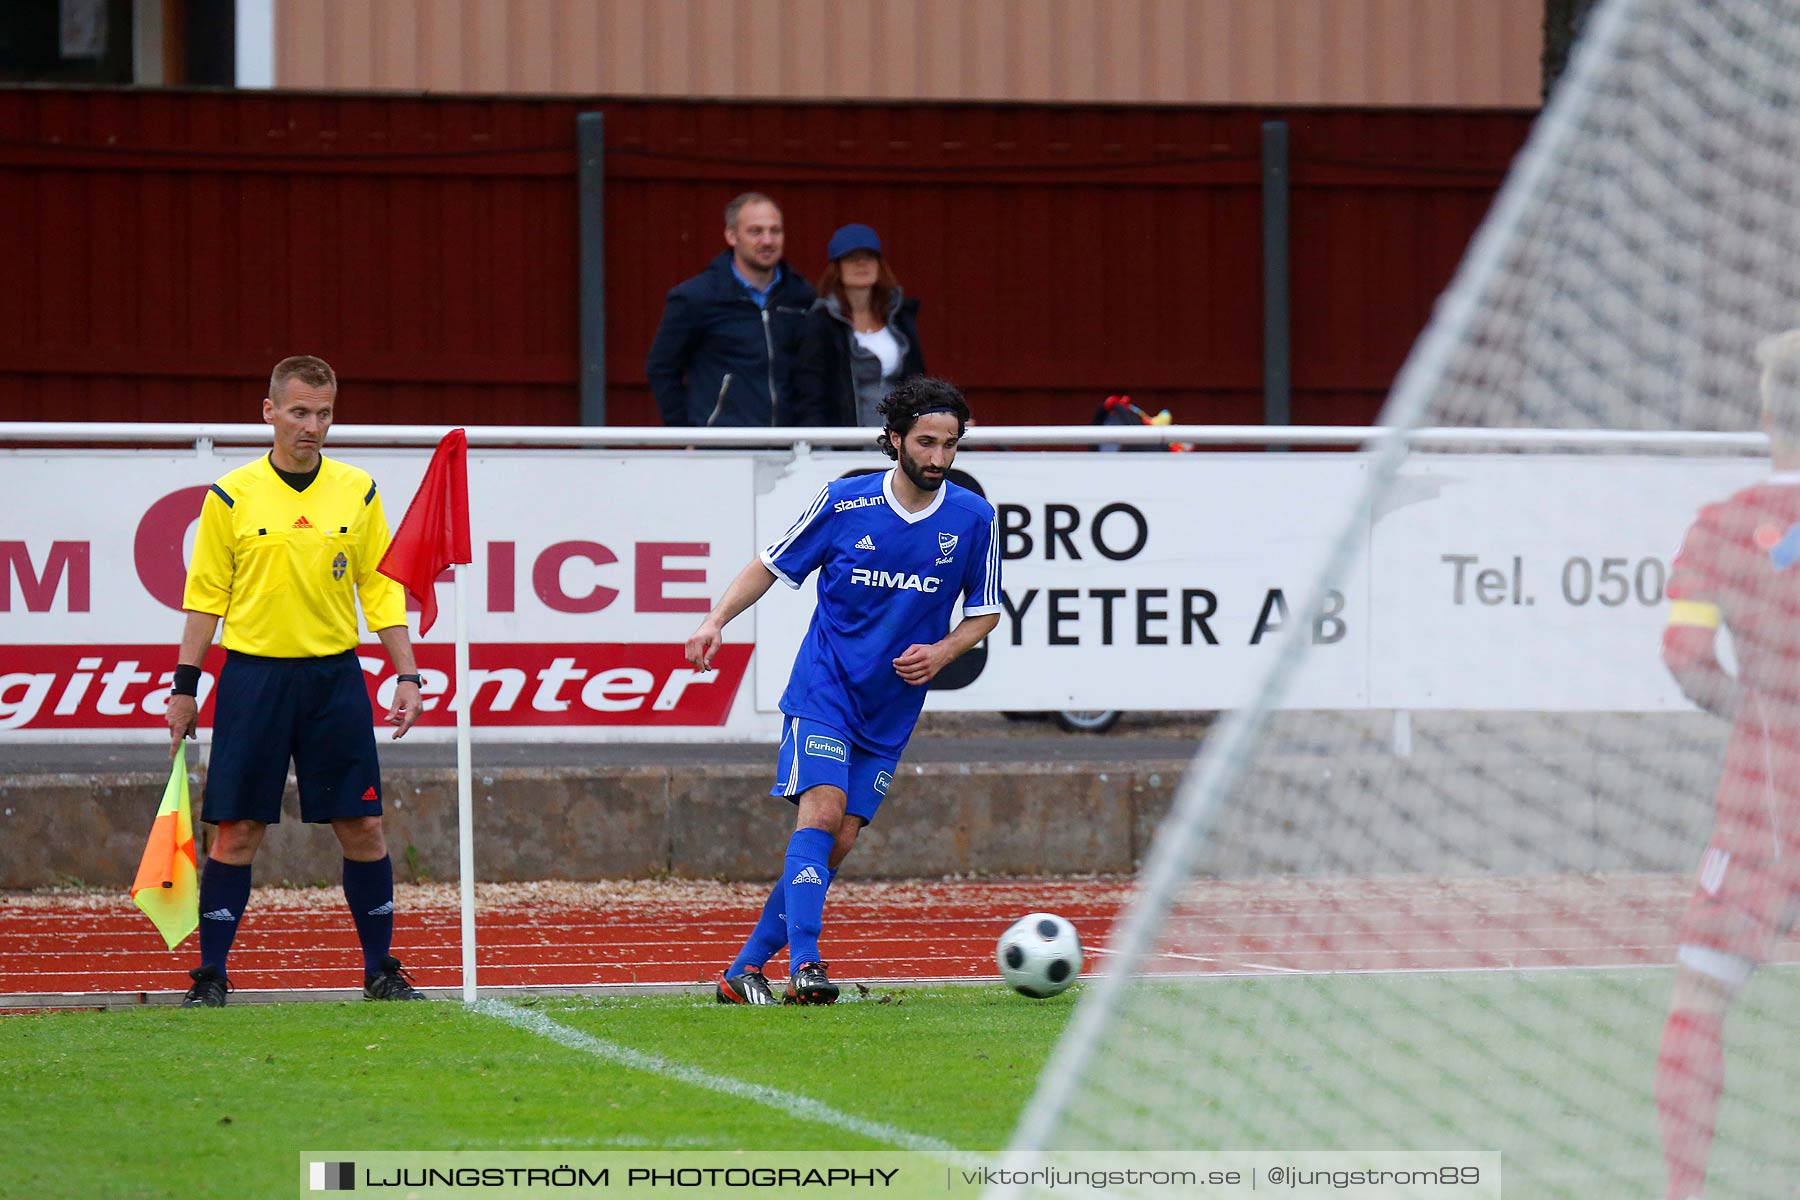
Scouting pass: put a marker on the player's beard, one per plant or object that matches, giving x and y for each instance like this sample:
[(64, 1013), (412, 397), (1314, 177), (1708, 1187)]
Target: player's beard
[(915, 471)]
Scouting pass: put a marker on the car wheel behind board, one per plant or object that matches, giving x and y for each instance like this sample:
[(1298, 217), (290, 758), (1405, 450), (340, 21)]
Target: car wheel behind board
[(1087, 720)]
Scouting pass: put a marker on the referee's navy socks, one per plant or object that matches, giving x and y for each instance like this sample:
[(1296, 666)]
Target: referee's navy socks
[(804, 873), (369, 890), (770, 934), (224, 891)]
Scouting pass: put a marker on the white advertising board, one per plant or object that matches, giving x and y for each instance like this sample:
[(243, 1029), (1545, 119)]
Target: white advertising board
[(1532, 582), (1147, 581), (1151, 581), (590, 572)]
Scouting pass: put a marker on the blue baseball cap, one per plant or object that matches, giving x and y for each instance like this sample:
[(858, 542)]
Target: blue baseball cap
[(852, 237)]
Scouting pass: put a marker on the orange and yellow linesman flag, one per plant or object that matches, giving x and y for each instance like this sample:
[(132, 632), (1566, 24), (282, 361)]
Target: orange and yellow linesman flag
[(167, 886)]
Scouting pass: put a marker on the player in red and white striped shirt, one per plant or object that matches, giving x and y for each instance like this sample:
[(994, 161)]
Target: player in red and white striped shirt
[(1739, 567)]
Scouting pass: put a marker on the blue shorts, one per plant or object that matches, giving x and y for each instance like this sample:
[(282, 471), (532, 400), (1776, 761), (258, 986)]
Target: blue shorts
[(314, 711), (813, 753)]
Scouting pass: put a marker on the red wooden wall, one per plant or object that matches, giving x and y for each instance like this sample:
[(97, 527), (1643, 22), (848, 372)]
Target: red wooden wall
[(165, 248)]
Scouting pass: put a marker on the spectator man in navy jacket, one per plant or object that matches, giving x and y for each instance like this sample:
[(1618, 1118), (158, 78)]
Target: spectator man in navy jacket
[(724, 353)]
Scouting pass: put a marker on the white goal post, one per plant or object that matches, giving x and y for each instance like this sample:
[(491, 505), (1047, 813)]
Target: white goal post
[(1474, 948)]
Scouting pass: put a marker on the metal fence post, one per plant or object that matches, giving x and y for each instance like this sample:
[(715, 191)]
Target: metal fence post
[(1277, 376), (590, 143)]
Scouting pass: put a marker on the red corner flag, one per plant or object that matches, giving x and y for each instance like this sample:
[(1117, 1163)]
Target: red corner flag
[(435, 531)]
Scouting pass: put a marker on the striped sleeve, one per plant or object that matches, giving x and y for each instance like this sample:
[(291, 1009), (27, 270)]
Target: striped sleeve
[(1694, 573), (797, 553), (214, 565), (981, 578), (383, 600)]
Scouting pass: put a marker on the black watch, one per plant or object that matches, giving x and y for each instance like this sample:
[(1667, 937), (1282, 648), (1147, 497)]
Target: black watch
[(411, 678)]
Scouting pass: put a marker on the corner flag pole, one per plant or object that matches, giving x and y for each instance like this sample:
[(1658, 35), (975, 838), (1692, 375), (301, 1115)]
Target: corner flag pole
[(465, 804), (433, 535)]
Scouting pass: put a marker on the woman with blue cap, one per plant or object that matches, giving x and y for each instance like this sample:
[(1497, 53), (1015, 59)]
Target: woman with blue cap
[(861, 337)]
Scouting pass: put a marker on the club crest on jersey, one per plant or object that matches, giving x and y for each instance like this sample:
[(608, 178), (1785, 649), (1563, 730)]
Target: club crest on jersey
[(339, 565), (898, 580), (1784, 550), (946, 547), (824, 747)]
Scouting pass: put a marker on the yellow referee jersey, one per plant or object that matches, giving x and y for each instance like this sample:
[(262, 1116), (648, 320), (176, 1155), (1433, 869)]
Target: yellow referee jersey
[(285, 568)]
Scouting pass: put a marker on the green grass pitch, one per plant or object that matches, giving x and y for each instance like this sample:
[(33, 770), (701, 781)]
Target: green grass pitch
[(159, 1102), (1551, 1068)]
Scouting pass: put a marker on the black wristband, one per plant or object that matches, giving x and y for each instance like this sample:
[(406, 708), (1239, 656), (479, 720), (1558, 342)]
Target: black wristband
[(409, 677), (187, 680)]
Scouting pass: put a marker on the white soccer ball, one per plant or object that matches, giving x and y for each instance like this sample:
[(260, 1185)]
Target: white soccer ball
[(1039, 955)]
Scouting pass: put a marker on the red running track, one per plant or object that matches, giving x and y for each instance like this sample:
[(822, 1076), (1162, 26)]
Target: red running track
[(557, 935), (665, 933)]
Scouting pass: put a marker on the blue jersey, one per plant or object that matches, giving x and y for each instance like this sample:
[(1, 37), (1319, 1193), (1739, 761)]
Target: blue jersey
[(888, 579)]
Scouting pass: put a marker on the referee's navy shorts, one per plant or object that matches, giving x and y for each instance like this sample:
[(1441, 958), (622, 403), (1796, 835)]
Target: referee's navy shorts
[(314, 711)]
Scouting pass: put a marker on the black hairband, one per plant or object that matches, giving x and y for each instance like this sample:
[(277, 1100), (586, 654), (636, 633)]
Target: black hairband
[(942, 408)]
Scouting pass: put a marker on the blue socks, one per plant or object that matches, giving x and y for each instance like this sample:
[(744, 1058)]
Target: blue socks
[(224, 891), (803, 878), (369, 890), (770, 934)]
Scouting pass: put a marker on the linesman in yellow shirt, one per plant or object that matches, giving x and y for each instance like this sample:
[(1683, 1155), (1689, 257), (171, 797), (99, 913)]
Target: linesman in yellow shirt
[(286, 548)]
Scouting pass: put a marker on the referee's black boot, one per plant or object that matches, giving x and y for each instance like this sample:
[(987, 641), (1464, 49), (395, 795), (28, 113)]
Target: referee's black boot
[(208, 991), (391, 983)]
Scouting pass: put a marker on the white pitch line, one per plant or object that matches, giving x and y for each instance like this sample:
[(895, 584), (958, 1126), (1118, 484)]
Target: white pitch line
[(803, 1107), (1196, 976), (1269, 967), (1274, 970), (1514, 969)]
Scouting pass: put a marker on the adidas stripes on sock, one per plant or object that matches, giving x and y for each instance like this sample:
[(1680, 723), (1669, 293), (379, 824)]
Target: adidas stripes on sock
[(804, 873), (369, 890), (224, 892), (770, 934)]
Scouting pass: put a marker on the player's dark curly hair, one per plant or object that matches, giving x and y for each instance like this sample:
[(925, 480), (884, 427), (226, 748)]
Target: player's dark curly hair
[(912, 399)]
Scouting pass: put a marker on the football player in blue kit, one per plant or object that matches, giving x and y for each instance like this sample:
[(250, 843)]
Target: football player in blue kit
[(895, 551)]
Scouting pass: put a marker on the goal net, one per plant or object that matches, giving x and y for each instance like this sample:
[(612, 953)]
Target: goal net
[(1443, 914)]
